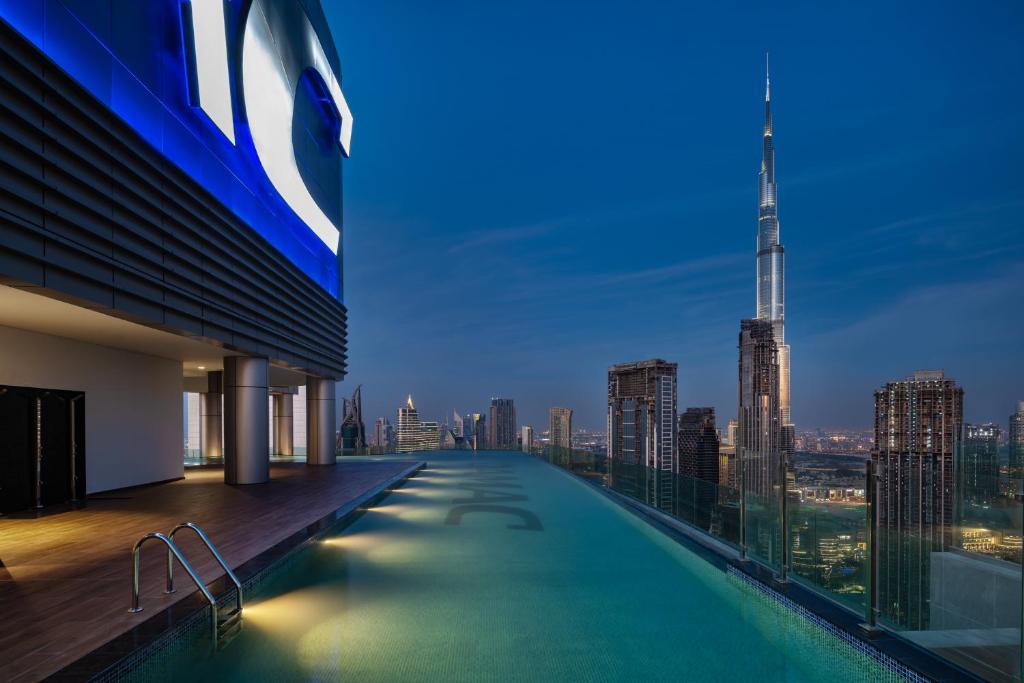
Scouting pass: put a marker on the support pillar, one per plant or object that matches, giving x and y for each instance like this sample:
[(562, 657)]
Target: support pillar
[(211, 429), (284, 424), (246, 455), (320, 422)]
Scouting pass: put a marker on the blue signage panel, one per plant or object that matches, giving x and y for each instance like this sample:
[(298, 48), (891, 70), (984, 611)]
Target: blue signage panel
[(242, 95)]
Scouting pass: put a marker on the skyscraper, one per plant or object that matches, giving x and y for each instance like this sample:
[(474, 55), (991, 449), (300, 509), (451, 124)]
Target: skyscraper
[(698, 444), (1016, 444), (408, 429), (642, 425), (502, 432), (771, 289), (979, 464), (759, 428), (474, 430), (918, 422), (560, 427), (353, 431), (526, 442)]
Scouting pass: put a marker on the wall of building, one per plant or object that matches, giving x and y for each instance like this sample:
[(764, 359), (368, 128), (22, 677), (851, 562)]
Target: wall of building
[(133, 403)]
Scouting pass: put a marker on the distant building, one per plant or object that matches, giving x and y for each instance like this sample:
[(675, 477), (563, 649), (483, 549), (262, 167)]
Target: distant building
[(457, 424), (642, 414), (730, 432), (979, 464), (383, 433), (727, 467), (430, 435), (526, 441), (474, 430), (1016, 445), (560, 427), (409, 429), (918, 422), (502, 434), (759, 434), (353, 431), (698, 444)]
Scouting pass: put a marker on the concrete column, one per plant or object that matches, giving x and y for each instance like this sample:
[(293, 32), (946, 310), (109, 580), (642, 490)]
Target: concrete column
[(211, 428), (320, 422), (284, 424), (246, 456)]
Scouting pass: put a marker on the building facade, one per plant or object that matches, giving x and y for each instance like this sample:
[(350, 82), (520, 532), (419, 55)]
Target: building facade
[(918, 424), (155, 242), (642, 427), (698, 444), (560, 428), (759, 425), (502, 433), (978, 481)]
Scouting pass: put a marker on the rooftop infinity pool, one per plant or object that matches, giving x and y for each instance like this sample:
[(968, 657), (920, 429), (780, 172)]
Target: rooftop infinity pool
[(496, 566)]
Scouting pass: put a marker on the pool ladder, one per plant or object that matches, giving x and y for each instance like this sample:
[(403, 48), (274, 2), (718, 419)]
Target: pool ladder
[(225, 625)]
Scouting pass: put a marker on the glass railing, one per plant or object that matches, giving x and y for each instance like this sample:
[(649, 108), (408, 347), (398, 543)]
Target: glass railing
[(955, 588), (952, 587), (712, 508)]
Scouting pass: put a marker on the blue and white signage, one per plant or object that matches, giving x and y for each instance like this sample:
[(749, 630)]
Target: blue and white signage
[(243, 95)]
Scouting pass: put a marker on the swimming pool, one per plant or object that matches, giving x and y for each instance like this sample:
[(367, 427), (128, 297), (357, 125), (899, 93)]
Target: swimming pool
[(497, 566)]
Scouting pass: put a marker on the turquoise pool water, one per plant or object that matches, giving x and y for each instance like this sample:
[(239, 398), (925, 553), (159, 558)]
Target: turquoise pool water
[(500, 567)]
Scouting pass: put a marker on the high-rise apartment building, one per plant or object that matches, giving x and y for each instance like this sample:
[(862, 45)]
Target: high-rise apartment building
[(918, 422), (642, 426), (408, 429), (979, 464), (1016, 442), (759, 426), (502, 432), (526, 440), (698, 444), (560, 427)]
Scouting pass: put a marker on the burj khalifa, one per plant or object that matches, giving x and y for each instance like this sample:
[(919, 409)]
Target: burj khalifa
[(771, 287)]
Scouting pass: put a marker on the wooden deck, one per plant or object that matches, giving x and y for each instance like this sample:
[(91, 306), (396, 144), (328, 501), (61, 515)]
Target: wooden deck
[(65, 578)]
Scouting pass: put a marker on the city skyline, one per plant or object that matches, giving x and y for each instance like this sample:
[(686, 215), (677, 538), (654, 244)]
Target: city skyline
[(429, 197)]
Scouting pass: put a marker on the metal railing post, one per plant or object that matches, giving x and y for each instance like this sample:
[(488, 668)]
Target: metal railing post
[(783, 518), (871, 542), (743, 503)]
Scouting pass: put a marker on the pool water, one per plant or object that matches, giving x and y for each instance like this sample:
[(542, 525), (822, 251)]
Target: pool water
[(496, 566)]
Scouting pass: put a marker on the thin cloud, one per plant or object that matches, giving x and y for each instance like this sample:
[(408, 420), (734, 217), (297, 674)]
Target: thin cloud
[(493, 236)]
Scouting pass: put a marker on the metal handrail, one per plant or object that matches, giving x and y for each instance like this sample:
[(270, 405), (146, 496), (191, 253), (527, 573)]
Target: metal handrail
[(213, 551), (172, 549)]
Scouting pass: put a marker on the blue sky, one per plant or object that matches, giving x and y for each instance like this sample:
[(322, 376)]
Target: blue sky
[(538, 190)]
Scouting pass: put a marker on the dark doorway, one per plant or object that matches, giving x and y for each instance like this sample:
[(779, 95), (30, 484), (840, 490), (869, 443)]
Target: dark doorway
[(42, 447)]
